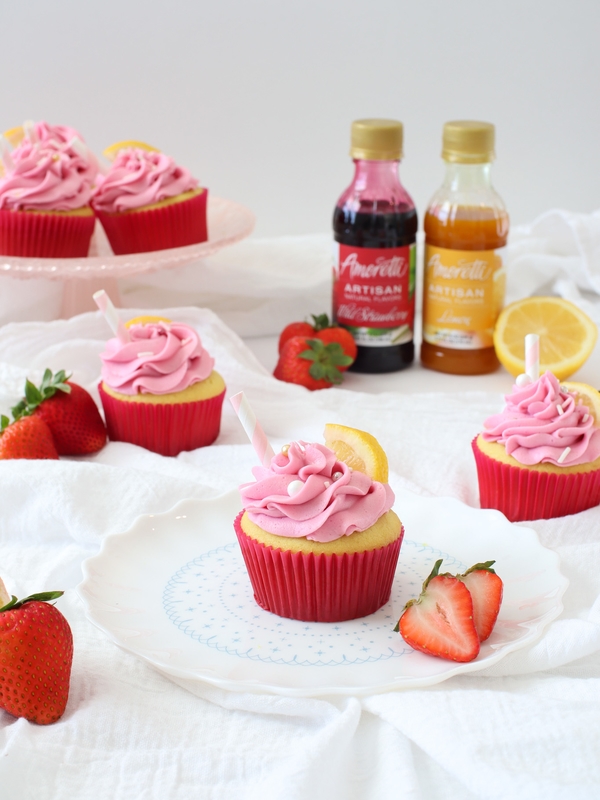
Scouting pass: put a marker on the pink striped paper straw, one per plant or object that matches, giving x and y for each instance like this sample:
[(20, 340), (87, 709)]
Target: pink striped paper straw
[(117, 325), (532, 356), (253, 429)]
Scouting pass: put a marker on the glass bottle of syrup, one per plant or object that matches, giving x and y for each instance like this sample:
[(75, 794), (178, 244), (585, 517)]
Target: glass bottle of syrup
[(463, 287), (374, 269)]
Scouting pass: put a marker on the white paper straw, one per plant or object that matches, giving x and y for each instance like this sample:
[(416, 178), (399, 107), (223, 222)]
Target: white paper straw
[(30, 131), (532, 356), (253, 429), (117, 326), (79, 147)]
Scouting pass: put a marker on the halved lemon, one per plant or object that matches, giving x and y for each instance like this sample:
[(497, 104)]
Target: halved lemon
[(112, 151), (567, 335), (589, 396), (359, 450), (144, 319)]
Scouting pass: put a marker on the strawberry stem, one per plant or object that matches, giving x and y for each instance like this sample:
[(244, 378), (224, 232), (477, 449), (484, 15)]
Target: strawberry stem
[(320, 322), (43, 597), (34, 396), (326, 359), (485, 565)]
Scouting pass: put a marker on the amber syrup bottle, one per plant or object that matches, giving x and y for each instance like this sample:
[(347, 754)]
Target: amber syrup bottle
[(466, 225)]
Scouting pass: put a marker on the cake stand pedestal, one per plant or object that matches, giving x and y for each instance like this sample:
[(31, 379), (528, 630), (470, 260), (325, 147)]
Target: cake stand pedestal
[(228, 223)]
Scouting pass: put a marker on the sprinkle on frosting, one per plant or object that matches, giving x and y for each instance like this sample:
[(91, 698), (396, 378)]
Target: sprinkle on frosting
[(543, 423), (139, 178), (167, 365), (321, 508)]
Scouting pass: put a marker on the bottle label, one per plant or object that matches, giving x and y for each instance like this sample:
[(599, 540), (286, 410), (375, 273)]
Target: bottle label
[(463, 294), (374, 293)]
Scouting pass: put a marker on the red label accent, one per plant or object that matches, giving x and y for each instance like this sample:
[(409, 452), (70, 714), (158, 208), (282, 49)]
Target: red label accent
[(371, 287)]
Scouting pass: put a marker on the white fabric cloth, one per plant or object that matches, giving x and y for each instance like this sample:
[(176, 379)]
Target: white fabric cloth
[(529, 727), (259, 285)]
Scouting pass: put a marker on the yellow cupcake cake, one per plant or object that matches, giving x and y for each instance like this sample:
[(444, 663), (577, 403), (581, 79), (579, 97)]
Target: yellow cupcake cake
[(159, 389), (319, 538)]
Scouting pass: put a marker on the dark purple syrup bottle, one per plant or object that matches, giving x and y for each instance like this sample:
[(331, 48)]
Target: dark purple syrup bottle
[(374, 271)]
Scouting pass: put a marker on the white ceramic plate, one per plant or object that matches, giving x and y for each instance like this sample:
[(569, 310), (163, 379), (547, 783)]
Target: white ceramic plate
[(174, 591)]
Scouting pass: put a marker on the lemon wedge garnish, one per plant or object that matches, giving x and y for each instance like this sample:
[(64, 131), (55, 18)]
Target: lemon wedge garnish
[(567, 335), (359, 450), (144, 319), (589, 397), (111, 152)]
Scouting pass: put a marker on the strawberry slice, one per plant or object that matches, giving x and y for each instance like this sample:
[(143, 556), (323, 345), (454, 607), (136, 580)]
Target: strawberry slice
[(486, 589), (440, 621)]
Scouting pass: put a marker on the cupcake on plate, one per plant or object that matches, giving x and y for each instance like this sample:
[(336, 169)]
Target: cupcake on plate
[(319, 539), (159, 390), (147, 202), (45, 193), (540, 457)]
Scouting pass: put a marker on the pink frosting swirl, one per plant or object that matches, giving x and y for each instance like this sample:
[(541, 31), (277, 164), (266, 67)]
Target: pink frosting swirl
[(54, 173), (138, 178), (160, 358), (308, 492), (543, 424)]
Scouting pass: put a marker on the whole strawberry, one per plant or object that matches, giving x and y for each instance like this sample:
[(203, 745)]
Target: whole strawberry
[(69, 411), (36, 653), (486, 590), (311, 363), (28, 437), (440, 622), (321, 328)]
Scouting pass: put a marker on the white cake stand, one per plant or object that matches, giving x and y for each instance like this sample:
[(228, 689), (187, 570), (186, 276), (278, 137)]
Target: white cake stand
[(228, 222)]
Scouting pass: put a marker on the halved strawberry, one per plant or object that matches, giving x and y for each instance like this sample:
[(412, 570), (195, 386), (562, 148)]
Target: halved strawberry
[(440, 621), (486, 589)]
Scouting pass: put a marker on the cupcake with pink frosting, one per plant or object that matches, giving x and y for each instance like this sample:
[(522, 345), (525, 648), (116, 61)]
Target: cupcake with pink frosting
[(159, 390), (45, 191), (540, 457), (147, 202), (319, 539)]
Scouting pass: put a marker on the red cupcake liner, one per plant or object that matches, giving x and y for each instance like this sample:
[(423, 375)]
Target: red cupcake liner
[(319, 588), (39, 235), (166, 429), (522, 494), (173, 225)]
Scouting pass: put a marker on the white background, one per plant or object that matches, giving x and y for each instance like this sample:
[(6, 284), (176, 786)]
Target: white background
[(256, 97)]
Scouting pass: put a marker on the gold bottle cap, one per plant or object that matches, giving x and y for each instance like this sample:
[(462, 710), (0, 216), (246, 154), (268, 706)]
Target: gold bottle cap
[(468, 142), (376, 139)]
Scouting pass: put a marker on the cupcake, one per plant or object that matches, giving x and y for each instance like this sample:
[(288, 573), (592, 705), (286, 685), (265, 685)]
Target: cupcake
[(159, 390), (147, 202), (540, 457), (45, 193), (319, 539)]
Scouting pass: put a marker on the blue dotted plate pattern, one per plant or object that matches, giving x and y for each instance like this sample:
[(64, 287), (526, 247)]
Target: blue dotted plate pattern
[(210, 599)]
